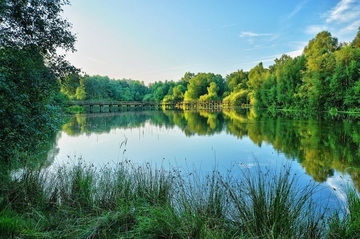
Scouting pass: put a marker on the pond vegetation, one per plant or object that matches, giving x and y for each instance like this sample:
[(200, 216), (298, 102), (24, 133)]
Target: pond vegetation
[(127, 200)]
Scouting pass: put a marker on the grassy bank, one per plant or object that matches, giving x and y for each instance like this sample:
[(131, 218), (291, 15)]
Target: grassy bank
[(139, 201)]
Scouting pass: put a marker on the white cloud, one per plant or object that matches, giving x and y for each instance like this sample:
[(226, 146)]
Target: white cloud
[(253, 34), (297, 9), (298, 47), (344, 11), (295, 53), (342, 20), (315, 29), (96, 60), (350, 28)]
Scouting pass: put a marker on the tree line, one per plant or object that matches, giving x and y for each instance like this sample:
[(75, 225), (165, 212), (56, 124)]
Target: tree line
[(325, 76)]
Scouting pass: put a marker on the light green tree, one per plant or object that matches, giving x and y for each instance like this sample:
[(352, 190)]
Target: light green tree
[(212, 93), (320, 65)]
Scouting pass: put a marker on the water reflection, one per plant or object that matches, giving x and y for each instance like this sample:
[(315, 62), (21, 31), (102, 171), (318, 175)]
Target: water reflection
[(325, 149)]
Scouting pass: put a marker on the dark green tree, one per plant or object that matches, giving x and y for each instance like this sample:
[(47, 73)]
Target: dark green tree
[(38, 23), (344, 82), (288, 74), (266, 95), (31, 31), (257, 75)]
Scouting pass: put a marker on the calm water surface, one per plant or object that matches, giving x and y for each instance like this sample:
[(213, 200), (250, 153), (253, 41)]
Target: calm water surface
[(326, 151)]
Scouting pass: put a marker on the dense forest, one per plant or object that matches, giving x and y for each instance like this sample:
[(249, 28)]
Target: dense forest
[(325, 77)]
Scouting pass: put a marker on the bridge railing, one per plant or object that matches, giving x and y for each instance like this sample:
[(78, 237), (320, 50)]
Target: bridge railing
[(107, 102), (103, 102)]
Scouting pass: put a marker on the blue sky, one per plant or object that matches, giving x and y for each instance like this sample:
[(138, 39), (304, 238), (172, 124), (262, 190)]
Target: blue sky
[(158, 40)]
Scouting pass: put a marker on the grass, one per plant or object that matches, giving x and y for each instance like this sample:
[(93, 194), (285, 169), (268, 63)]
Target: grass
[(126, 200), (346, 224)]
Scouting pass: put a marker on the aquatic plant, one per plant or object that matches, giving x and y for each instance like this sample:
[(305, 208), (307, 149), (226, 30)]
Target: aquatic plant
[(127, 200)]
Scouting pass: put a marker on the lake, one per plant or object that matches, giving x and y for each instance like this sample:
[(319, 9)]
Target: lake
[(325, 150)]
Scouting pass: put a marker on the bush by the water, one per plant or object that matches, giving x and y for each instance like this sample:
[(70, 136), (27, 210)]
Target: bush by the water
[(126, 200)]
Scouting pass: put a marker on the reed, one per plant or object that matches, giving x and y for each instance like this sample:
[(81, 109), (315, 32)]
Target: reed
[(346, 222), (271, 204), (126, 200)]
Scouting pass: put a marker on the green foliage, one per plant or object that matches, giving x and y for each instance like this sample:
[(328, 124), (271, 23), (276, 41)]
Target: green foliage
[(39, 24), (256, 76), (10, 224), (325, 76), (161, 90), (212, 93), (271, 203), (184, 81), (178, 92), (70, 84), (320, 64), (198, 86), (353, 201), (29, 102), (30, 69), (267, 93), (236, 81), (74, 109), (319, 53), (288, 74), (102, 87), (356, 42), (346, 224), (80, 92), (237, 97)]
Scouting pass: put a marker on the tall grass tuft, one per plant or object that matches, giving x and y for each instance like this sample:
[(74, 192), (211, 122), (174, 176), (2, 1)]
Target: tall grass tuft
[(346, 224), (26, 190), (201, 201), (152, 186), (127, 200), (72, 187), (270, 204)]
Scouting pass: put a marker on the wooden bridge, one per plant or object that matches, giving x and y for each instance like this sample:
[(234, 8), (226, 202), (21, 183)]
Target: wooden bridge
[(152, 105)]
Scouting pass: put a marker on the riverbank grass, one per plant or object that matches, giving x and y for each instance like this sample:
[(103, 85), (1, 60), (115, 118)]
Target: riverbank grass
[(126, 200)]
